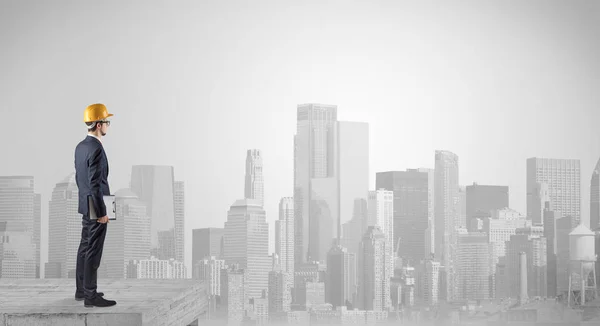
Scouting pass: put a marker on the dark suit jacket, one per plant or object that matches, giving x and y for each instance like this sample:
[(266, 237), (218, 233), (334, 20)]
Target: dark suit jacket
[(91, 175)]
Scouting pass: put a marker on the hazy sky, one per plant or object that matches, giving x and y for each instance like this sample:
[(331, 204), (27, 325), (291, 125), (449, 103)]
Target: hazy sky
[(195, 84)]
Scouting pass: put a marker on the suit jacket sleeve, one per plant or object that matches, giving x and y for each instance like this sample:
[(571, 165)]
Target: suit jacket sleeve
[(95, 178)]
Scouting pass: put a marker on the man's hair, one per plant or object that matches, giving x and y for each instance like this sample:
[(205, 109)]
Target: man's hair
[(93, 123)]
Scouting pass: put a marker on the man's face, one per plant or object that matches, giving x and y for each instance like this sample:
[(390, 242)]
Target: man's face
[(104, 127)]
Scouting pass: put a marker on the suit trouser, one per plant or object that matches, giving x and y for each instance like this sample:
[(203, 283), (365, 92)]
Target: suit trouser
[(89, 256)]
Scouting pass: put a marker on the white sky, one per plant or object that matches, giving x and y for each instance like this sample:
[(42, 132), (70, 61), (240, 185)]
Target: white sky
[(196, 84)]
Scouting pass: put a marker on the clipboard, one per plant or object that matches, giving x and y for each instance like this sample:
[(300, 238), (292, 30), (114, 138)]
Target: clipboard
[(111, 208)]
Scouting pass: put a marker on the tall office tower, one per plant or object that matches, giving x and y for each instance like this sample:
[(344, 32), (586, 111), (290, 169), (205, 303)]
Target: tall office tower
[(234, 294), (154, 268), (284, 235), (280, 291), (381, 214), (499, 226), (428, 274), (563, 228), (255, 185), (446, 199), (18, 210), (304, 273), (155, 186), (550, 233), (563, 179), (595, 198), (179, 206), (413, 211), (207, 242), (64, 229), (313, 158), (482, 199), (374, 284), (331, 171), (37, 232), (473, 266), (246, 242), (209, 270), (533, 243), (128, 238), (341, 277)]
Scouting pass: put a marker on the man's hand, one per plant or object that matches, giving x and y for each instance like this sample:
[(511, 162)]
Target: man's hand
[(103, 219)]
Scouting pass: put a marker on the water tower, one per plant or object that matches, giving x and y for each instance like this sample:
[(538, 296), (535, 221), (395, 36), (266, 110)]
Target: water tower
[(582, 266)]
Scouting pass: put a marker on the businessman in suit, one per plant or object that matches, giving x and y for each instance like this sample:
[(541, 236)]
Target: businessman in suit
[(91, 174)]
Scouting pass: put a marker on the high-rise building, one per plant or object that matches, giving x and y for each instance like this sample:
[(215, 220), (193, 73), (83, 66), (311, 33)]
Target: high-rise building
[(446, 214), (234, 294), (246, 243), (473, 266), (179, 206), (482, 199), (155, 186), (413, 210), (550, 233), (381, 214), (254, 185), (18, 210), (207, 242), (154, 268), (563, 179), (331, 168), (374, 284), (595, 198), (209, 270), (313, 158), (284, 235), (37, 232), (128, 238), (563, 228), (280, 291), (340, 287), (428, 275), (64, 229)]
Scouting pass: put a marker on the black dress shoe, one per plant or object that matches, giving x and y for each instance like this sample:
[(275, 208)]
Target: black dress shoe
[(80, 297), (98, 301)]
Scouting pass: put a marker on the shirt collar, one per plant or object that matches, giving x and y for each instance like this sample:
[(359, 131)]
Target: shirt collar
[(100, 140)]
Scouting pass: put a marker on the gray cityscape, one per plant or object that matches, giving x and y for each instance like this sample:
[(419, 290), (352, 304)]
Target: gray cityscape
[(368, 163)]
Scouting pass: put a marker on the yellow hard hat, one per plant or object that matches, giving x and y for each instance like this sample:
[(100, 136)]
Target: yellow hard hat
[(96, 112)]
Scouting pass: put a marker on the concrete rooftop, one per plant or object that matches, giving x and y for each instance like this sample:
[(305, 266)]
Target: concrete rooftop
[(139, 302)]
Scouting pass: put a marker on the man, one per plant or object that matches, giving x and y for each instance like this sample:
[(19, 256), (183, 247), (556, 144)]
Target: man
[(91, 174)]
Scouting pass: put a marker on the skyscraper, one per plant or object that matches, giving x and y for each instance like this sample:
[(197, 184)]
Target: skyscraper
[(313, 158), (284, 235), (381, 214), (595, 198), (155, 186), (341, 277), (64, 229), (533, 243), (446, 200), (234, 294), (179, 206), (128, 238), (413, 204), (18, 209), (280, 292), (246, 242), (374, 284), (563, 178), (207, 242), (254, 186), (473, 266), (209, 270)]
